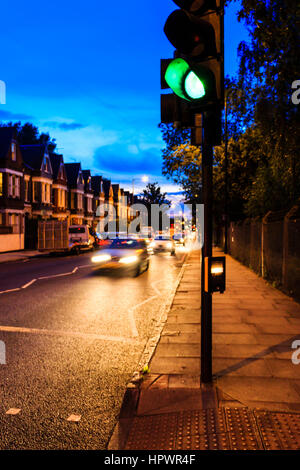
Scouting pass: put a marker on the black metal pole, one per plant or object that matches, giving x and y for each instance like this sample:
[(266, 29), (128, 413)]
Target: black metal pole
[(206, 297), (226, 183)]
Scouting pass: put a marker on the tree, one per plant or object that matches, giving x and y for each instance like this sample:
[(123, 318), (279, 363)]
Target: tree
[(182, 161), (28, 134), (268, 67), (153, 195), (262, 122)]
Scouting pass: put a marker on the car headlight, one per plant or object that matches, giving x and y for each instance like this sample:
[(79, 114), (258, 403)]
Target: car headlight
[(100, 258), (128, 259), (169, 245)]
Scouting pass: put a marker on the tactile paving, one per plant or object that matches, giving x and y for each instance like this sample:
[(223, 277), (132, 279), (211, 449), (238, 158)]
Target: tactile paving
[(242, 429), (156, 432), (279, 430), (216, 429)]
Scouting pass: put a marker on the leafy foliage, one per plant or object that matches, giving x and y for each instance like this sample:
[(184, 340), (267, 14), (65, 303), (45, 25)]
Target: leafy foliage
[(153, 195), (262, 122), (28, 134)]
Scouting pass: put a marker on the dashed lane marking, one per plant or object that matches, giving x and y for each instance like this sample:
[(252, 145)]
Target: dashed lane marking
[(10, 290), (74, 418), (13, 411), (59, 275), (75, 334), (42, 278), (28, 284)]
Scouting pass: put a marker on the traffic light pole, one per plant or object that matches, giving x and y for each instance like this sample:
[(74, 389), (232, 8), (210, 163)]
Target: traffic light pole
[(206, 297)]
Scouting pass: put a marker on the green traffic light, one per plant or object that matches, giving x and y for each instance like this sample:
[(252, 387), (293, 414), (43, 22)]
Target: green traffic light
[(184, 81), (175, 74), (194, 87)]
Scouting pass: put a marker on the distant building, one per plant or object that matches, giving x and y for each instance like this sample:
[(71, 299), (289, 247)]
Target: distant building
[(88, 198), (76, 193), (37, 162), (59, 188), (11, 192), (98, 200)]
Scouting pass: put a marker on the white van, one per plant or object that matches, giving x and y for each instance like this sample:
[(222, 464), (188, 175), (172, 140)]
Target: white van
[(80, 238)]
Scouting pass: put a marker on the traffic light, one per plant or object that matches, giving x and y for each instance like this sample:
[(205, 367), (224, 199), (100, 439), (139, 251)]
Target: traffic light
[(191, 82), (196, 74)]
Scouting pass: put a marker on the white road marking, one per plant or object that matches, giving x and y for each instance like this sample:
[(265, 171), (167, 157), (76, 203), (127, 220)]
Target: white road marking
[(10, 290), (41, 278), (28, 284), (155, 288), (74, 418), (75, 334), (59, 275), (13, 411)]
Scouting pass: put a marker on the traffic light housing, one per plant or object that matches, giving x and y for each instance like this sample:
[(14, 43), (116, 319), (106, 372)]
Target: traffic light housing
[(196, 74)]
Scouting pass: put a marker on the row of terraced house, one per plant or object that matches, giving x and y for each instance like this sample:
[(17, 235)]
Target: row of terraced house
[(36, 184)]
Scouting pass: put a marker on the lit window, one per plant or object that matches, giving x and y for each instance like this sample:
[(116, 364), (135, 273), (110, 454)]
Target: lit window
[(13, 151), (1, 184)]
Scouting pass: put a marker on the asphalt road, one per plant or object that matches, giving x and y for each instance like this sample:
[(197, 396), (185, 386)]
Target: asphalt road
[(73, 338)]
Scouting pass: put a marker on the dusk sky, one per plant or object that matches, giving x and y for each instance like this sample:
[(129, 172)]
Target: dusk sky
[(89, 74)]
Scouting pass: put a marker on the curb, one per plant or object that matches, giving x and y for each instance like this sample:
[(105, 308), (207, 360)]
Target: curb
[(132, 392), (22, 258)]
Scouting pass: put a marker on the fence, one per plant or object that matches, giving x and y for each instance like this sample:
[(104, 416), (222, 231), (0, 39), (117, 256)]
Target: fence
[(271, 247)]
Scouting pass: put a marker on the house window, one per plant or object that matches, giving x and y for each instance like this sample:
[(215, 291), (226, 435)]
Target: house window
[(13, 151), (13, 186), (17, 186), (35, 192), (72, 200), (63, 198), (79, 205), (1, 184), (13, 220), (26, 190), (48, 193)]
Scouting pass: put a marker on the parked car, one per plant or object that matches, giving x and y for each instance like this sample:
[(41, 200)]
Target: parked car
[(123, 253), (80, 238), (164, 243)]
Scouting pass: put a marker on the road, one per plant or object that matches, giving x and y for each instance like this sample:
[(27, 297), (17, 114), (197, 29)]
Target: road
[(73, 337)]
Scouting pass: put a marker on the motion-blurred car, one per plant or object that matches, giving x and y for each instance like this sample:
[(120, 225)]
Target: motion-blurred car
[(164, 243), (123, 253), (105, 238)]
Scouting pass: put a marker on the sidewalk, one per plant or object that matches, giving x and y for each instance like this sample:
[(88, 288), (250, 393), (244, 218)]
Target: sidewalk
[(254, 401), (19, 255)]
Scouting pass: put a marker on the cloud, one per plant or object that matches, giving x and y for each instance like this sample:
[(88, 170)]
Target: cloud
[(128, 160), (9, 116), (80, 144), (64, 126)]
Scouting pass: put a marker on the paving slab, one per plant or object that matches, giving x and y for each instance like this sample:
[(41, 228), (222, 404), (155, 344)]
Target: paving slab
[(254, 400)]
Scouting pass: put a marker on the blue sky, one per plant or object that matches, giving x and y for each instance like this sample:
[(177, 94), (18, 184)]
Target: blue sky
[(89, 74)]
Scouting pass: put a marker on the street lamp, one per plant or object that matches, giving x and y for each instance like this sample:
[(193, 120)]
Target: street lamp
[(144, 179)]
